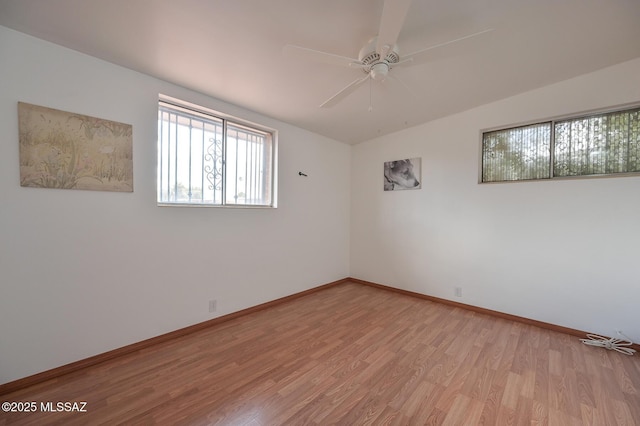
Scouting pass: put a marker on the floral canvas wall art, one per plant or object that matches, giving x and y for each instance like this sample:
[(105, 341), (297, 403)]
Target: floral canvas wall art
[(64, 150)]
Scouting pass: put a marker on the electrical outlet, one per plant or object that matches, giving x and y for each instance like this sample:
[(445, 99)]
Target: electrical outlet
[(213, 305), (458, 291)]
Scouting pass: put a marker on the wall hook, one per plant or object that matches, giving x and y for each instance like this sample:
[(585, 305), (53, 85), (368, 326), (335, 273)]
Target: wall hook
[(302, 174)]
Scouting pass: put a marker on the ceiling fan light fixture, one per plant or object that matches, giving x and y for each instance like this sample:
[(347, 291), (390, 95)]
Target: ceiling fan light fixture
[(379, 71)]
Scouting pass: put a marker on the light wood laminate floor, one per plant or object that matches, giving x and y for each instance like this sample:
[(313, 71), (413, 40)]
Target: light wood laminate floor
[(351, 355)]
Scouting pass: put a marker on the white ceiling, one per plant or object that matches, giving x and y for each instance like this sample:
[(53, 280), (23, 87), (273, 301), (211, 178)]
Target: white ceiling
[(232, 50)]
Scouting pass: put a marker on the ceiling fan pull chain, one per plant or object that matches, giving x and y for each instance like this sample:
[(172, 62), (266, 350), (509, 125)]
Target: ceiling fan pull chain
[(370, 103)]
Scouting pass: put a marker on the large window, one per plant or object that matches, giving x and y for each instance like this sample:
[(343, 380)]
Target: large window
[(601, 144), (207, 159)]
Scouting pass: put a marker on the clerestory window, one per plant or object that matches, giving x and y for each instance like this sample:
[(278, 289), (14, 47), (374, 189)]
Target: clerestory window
[(598, 144)]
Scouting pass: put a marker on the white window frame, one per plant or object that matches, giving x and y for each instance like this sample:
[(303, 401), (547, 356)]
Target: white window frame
[(224, 125), (630, 108)]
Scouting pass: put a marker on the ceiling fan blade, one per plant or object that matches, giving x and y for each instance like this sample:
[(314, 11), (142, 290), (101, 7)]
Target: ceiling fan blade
[(434, 52), (318, 56), (344, 92), (394, 13)]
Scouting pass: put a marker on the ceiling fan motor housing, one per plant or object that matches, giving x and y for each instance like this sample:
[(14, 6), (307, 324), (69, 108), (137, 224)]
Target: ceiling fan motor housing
[(373, 65)]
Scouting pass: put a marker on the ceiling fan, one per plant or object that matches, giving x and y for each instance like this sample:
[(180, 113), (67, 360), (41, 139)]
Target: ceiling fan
[(379, 56)]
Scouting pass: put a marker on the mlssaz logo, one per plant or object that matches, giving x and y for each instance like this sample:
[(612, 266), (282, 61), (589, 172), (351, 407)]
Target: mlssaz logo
[(79, 407)]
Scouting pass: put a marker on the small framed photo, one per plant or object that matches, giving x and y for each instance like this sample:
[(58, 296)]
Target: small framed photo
[(403, 174)]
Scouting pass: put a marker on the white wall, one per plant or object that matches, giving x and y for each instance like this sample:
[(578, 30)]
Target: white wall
[(563, 252), (85, 272)]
